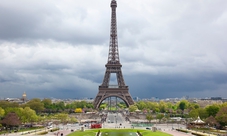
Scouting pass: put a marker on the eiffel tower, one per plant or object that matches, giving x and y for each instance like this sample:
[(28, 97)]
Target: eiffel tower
[(113, 66)]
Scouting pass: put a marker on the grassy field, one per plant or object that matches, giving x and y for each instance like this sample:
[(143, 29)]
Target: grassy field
[(118, 132)]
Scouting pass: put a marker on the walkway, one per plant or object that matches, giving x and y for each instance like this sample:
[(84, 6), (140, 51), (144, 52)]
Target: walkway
[(177, 133)]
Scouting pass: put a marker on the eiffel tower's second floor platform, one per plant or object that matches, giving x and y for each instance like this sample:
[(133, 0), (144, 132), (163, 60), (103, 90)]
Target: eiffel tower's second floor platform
[(113, 87)]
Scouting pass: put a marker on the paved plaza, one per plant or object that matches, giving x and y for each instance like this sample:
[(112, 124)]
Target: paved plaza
[(113, 120)]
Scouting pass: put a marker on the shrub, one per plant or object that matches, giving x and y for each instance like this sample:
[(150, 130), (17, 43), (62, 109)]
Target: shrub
[(182, 130), (43, 133)]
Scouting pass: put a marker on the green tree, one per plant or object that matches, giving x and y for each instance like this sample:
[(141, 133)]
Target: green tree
[(183, 104), (72, 120), (162, 106), (16, 110), (103, 106), (224, 105), (132, 108), (202, 113), (154, 106), (83, 104), (29, 115), (192, 106), (221, 116), (5, 104), (149, 117), (121, 106), (159, 116), (141, 105), (89, 105), (169, 105), (62, 117), (196, 106), (35, 104), (212, 110), (194, 113), (2, 112), (60, 106), (47, 103)]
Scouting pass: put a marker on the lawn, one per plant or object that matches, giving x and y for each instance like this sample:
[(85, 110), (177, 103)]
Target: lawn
[(118, 132)]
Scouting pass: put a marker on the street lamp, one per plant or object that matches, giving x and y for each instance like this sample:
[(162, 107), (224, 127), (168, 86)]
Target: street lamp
[(115, 121)]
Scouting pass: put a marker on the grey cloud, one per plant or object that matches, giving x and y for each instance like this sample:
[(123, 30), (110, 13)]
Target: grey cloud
[(59, 49), (27, 21), (169, 86)]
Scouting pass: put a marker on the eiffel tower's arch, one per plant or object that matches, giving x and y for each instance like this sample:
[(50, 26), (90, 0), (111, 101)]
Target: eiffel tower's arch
[(112, 95)]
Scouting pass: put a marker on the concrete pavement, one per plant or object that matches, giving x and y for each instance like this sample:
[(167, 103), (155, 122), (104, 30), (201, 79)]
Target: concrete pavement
[(114, 120)]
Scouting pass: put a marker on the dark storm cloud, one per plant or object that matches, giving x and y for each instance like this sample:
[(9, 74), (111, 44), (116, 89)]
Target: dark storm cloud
[(59, 49), (38, 69), (23, 21), (170, 86)]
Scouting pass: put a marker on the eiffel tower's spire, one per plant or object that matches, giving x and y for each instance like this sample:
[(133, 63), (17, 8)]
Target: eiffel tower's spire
[(113, 47)]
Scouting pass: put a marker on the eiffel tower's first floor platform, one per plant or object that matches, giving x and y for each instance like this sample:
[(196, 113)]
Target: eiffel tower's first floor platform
[(105, 92)]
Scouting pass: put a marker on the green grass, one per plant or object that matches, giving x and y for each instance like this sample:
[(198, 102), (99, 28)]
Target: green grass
[(85, 133), (118, 132)]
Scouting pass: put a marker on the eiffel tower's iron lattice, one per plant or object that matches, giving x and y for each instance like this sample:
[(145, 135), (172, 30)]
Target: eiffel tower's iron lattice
[(113, 66)]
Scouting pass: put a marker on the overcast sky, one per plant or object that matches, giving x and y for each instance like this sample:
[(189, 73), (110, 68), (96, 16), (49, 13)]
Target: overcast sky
[(56, 48)]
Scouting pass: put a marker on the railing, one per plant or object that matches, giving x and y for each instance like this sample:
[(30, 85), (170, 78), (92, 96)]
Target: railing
[(113, 86)]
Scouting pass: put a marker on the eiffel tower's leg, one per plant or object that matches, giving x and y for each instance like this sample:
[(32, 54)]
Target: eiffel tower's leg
[(106, 79), (120, 79)]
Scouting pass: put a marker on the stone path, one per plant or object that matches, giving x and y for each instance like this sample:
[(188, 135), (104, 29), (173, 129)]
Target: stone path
[(177, 133)]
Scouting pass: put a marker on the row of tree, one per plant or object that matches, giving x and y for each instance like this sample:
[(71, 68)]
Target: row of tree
[(35, 109), (39, 111), (47, 106), (16, 116), (213, 114), (164, 107)]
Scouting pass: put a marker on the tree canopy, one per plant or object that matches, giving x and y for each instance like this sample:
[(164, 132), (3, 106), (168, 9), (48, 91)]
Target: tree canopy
[(11, 120), (2, 112), (221, 116)]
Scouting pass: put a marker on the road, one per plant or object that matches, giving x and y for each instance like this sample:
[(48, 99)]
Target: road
[(116, 120), (64, 129)]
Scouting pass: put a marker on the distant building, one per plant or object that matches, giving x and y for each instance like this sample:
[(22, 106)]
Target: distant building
[(216, 98), (136, 98), (24, 97), (18, 100)]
